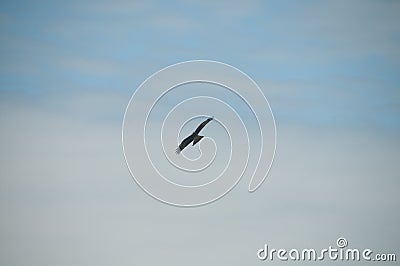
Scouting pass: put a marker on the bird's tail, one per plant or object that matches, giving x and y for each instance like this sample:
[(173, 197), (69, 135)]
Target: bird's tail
[(197, 139)]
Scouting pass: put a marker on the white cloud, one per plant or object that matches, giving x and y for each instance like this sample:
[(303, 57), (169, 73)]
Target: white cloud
[(66, 195)]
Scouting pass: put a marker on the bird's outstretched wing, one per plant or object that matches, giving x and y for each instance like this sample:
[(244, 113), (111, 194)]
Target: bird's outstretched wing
[(200, 127), (184, 143)]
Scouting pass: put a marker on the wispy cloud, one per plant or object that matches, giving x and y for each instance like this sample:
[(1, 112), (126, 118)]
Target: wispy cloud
[(64, 184), (329, 70)]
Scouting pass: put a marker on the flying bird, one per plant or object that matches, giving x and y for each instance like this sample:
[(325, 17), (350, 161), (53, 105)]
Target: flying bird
[(194, 137)]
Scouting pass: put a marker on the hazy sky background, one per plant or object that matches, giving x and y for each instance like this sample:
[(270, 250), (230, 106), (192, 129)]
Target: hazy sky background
[(330, 70)]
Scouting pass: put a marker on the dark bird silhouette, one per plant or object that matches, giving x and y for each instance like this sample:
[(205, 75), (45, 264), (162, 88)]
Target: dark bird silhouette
[(194, 137)]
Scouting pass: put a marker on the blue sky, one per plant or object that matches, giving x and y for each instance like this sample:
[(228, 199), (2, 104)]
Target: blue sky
[(337, 56), (330, 70)]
